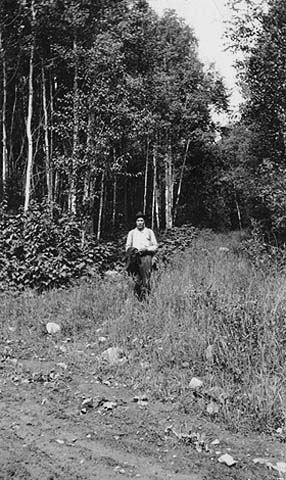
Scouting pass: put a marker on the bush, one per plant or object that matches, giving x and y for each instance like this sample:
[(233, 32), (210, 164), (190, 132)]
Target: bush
[(42, 251)]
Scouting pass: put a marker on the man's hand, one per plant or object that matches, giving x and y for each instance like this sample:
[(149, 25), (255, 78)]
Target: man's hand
[(143, 251)]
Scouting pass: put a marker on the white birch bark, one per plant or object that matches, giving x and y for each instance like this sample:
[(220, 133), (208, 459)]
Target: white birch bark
[(29, 169), (146, 178), (46, 138), (181, 180), (4, 131), (168, 189), (72, 202), (101, 202), (114, 200)]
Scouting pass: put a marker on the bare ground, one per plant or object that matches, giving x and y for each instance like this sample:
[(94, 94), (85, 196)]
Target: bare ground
[(44, 434)]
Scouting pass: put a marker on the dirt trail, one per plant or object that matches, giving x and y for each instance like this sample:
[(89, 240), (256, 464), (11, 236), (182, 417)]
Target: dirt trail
[(44, 435)]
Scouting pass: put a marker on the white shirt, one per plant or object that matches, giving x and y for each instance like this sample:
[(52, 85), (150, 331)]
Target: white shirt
[(142, 239)]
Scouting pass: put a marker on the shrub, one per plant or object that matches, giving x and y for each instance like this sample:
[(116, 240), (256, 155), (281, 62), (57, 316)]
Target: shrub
[(40, 250)]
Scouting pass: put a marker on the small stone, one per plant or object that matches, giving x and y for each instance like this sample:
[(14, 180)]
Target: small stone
[(215, 442), (53, 328), (61, 442), (62, 365), (281, 467), (195, 383), (109, 405), (227, 459), (209, 353), (86, 404), (102, 339), (113, 356), (212, 408)]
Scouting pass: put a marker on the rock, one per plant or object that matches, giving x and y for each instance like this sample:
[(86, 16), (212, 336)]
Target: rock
[(53, 328), (108, 405), (113, 356), (62, 365), (215, 442), (281, 467), (227, 459), (209, 353), (61, 442), (86, 404), (212, 408), (273, 464), (195, 383), (141, 401), (102, 339)]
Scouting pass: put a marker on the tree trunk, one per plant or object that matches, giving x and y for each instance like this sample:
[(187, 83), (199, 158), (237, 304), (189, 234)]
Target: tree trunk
[(146, 178), (101, 201), (154, 194), (238, 211), (11, 131), (29, 170), (49, 180), (181, 181), (86, 187), (114, 200), (168, 189), (157, 207), (4, 131), (51, 81), (72, 202), (125, 204)]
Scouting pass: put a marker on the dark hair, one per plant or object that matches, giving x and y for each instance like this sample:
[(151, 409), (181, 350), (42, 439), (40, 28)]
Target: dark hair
[(140, 215)]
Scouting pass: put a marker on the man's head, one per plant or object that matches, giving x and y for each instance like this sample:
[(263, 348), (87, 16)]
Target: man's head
[(140, 220)]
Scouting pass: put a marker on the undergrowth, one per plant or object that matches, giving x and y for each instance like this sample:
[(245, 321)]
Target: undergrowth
[(212, 314)]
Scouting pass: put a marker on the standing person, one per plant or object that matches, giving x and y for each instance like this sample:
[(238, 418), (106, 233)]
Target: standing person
[(141, 246)]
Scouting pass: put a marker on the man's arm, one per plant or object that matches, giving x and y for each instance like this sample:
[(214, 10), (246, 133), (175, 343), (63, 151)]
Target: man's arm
[(154, 244), (129, 240)]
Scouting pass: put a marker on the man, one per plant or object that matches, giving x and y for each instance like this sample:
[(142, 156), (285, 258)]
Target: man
[(141, 246)]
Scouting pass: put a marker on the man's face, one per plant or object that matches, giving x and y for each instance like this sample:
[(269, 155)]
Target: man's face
[(140, 224)]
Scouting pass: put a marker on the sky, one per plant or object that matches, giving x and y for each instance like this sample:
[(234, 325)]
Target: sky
[(207, 18)]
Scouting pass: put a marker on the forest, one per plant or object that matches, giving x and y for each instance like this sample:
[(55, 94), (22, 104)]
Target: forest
[(106, 108)]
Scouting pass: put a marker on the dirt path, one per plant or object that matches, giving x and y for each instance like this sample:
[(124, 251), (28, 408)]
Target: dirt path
[(45, 434)]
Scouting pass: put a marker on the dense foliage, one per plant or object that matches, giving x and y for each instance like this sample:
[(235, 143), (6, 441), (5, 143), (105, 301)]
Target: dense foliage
[(43, 252), (254, 150), (105, 106)]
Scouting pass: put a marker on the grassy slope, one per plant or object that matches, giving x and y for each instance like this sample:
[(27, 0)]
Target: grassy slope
[(206, 298)]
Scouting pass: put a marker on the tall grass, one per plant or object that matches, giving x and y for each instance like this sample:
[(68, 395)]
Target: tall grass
[(207, 300)]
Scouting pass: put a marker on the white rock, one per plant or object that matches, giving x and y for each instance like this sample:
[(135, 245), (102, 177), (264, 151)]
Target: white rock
[(212, 408), (62, 365), (281, 467), (227, 459), (53, 328), (215, 442), (102, 339), (113, 356), (209, 353), (195, 383), (272, 464)]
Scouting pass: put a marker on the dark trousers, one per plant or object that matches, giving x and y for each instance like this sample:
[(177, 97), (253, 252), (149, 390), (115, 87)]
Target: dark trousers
[(142, 278)]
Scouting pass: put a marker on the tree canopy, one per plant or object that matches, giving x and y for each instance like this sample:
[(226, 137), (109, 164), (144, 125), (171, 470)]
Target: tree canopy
[(105, 108)]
